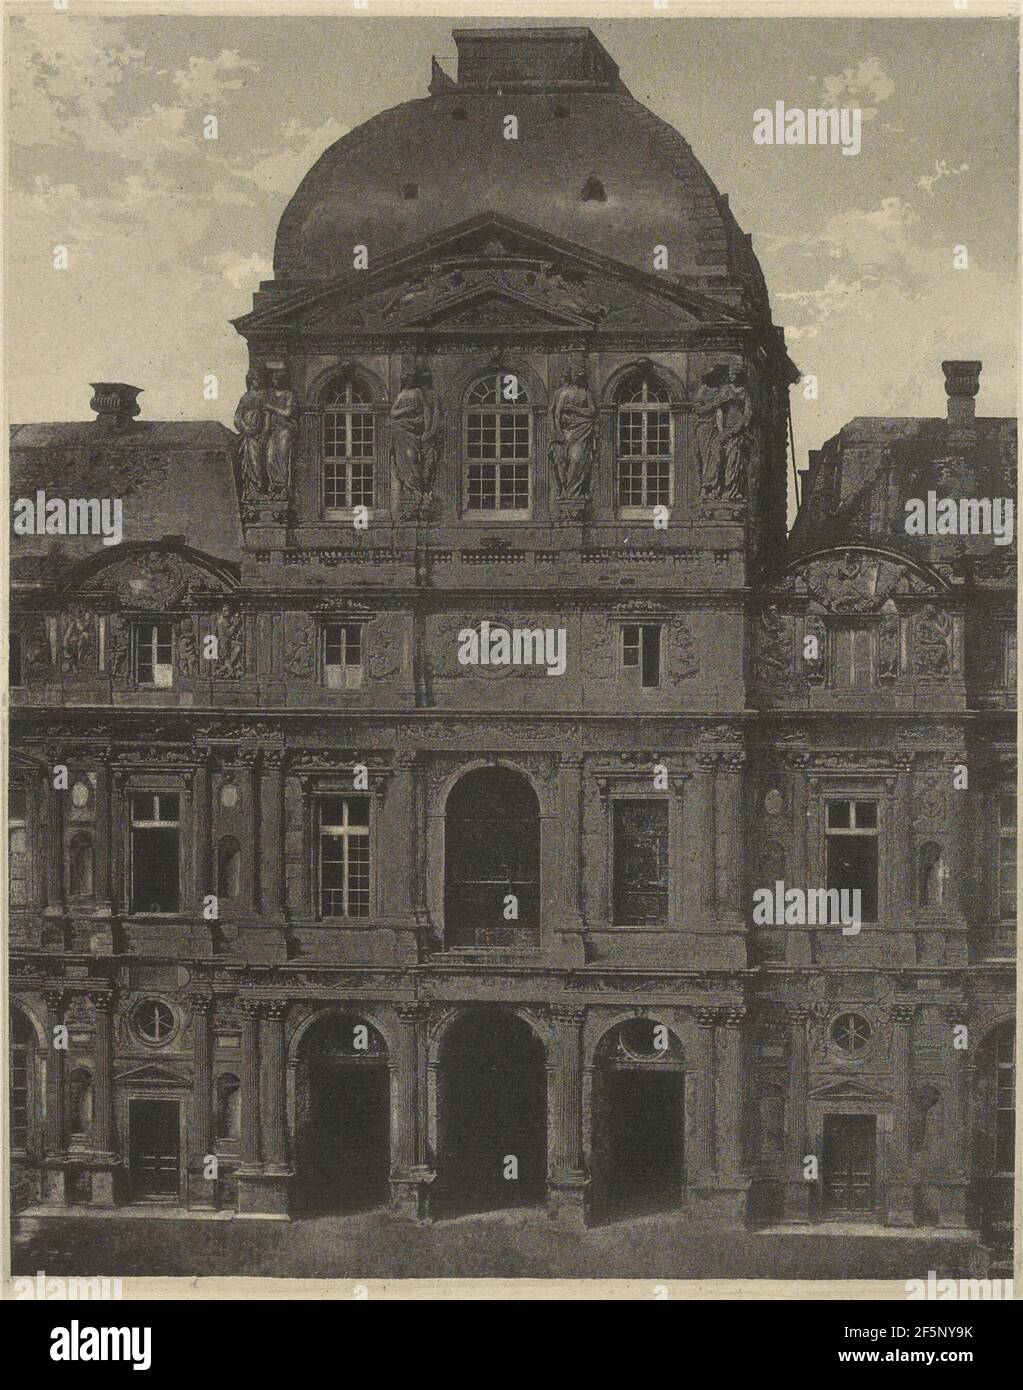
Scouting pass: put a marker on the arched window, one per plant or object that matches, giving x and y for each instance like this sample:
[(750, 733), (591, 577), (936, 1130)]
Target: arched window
[(644, 443), (492, 860), (498, 446), (349, 438), (1003, 1057), (933, 873), (229, 863), (22, 1067), (80, 867), (80, 1098), (229, 1108)]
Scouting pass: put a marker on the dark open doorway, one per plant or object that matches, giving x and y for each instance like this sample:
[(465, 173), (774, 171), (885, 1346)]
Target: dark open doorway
[(492, 1108), (848, 1164), (154, 1156), (344, 1118)]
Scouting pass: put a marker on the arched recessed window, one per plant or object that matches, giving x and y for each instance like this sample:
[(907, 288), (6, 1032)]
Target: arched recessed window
[(229, 863), (229, 1108), (933, 873), (593, 190), (80, 1101), (349, 437), (410, 190), (498, 446), (80, 867), (492, 860), (1003, 1055), (22, 1080), (644, 439)]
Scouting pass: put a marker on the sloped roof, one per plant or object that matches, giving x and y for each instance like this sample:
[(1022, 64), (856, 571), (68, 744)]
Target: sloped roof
[(174, 477), (858, 483)]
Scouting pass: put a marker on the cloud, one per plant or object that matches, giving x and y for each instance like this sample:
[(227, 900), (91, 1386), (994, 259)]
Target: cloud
[(942, 170), (75, 82), (62, 76), (205, 80), (867, 79), (241, 271)]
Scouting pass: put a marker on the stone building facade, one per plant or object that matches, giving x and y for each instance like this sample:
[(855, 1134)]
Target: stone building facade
[(310, 911)]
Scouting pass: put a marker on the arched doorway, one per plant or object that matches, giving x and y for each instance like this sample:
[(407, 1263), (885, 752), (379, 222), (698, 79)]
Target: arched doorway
[(342, 1116), (639, 1119), (492, 860), (492, 1114)]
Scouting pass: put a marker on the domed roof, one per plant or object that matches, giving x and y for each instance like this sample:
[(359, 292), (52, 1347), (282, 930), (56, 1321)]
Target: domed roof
[(591, 165)]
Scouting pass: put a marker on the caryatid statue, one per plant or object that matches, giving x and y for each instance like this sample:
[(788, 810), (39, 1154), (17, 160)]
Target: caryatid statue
[(723, 413), (416, 422), (573, 421), (282, 409), (708, 429), (252, 423), (736, 405)]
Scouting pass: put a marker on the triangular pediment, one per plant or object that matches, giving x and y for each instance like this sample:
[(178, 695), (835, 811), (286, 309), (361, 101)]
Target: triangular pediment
[(485, 273), (153, 1076), (851, 1090), (492, 307)]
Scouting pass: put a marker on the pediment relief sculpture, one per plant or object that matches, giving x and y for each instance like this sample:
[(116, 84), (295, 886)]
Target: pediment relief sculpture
[(160, 579), (853, 581)]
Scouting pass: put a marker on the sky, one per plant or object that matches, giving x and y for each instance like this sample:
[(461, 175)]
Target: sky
[(169, 234)]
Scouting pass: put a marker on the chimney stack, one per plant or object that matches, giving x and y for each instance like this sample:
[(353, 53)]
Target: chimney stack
[(962, 382), (115, 404)]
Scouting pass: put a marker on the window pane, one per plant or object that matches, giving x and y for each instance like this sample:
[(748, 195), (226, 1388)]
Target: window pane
[(839, 813), (640, 839), (866, 815), (651, 637), (154, 870), (851, 865), (143, 808)]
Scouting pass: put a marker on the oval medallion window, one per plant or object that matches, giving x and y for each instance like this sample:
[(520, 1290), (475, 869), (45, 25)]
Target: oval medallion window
[(153, 1022)]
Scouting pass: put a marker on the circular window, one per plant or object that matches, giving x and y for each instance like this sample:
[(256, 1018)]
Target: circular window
[(774, 802), (153, 1022), (850, 1033), (229, 796), (80, 793)]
